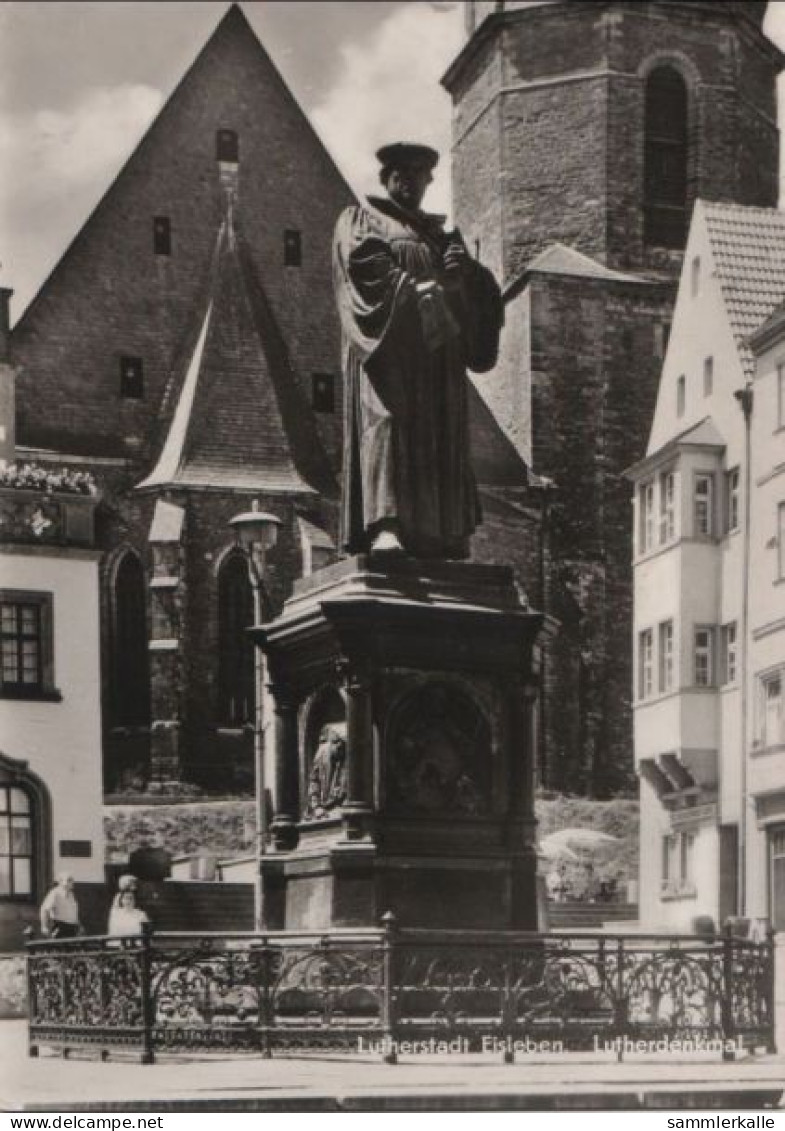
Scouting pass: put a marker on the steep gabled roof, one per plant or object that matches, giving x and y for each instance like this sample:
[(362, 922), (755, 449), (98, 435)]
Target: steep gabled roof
[(748, 246), (240, 419)]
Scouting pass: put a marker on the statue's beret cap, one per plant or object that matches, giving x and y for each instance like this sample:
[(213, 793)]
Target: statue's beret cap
[(407, 153)]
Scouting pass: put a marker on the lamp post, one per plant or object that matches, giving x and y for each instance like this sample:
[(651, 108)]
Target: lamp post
[(256, 532)]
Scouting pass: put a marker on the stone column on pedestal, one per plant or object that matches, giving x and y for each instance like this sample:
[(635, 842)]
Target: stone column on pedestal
[(358, 806), (284, 824)]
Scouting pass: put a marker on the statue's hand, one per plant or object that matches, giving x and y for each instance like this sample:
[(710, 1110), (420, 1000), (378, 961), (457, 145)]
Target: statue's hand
[(455, 256)]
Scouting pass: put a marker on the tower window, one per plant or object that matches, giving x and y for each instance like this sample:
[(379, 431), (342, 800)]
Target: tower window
[(708, 376), (323, 392), (665, 159), (681, 395), (131, 378), (227, 147), (292, 248), (162, 235)]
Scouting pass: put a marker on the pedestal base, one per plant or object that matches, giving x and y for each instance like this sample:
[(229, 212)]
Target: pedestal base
[(429, 671)]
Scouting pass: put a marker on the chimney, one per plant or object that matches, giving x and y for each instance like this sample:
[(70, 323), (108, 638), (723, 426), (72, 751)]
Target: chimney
[(7, 385), (5, 321), (7, 414)]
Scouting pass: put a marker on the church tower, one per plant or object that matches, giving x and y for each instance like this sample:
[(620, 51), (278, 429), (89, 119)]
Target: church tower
[(598, 125), (583, 133)]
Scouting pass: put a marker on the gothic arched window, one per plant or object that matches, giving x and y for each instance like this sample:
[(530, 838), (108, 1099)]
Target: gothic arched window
[(235, 647), (130, 664), (665, 159)]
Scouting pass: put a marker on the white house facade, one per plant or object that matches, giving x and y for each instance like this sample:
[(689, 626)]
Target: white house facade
[(692, 575), (50, 733), (765, 813)]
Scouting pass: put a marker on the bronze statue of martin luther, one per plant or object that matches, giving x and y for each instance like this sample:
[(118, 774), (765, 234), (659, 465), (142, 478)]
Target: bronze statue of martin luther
[(416, 311)]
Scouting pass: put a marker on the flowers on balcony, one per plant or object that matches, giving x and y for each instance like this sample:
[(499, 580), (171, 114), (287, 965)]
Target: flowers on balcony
[(31, 477)]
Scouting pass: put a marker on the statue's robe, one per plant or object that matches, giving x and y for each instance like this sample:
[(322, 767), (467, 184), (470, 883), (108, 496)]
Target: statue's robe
[(405, 355)]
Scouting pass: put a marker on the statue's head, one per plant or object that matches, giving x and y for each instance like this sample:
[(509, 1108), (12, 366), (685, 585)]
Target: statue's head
[(406, 172)]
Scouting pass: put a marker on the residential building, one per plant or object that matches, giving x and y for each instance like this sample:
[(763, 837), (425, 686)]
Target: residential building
[(765, 656), (704, 589), (50, 697)]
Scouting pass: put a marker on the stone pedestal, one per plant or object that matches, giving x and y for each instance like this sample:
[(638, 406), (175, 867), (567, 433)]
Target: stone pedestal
[(404, 695)]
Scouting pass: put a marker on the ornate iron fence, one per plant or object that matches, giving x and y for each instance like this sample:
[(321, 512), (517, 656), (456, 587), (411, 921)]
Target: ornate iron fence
[(392, 991)]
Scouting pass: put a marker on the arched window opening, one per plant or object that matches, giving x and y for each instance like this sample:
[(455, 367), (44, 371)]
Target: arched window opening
[(130, 667), (235, 647), (17, 862), (665, 159)]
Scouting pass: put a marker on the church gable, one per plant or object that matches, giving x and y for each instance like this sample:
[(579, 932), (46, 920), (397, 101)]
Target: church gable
[(117, 298)]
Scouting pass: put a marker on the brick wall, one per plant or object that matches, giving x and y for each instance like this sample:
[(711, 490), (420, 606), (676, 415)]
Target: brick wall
[(556, 93)]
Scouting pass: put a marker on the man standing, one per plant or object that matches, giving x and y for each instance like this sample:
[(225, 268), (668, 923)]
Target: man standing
[(60, 911), (416, 311)]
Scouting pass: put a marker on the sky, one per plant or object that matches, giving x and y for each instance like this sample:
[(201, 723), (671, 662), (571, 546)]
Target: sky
[(81, 80)]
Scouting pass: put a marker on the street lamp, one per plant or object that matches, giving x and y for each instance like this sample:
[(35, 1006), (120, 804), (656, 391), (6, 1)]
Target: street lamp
[(256, 533)]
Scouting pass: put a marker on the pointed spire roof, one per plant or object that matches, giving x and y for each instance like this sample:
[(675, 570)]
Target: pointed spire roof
[(239, 419)]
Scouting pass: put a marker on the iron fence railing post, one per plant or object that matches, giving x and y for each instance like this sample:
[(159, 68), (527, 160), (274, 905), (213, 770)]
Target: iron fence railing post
[(264, 991), (508, 1017), (769, 956), (30, 967), (621, 1013), (726, 1011), (389, 1002), (146, 986)]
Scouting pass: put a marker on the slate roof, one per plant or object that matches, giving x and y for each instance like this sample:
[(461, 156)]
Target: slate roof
[(704, 434), (239, 419), (748, 245), (559, 259)]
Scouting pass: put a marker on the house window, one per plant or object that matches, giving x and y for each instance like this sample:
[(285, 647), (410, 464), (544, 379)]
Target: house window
[(16, 844), (130, 689), (162, 235), (667, 507), (646, 527), (704, 657), (777, 877), (662, 332), (666, 656), (771, 729), (730, 654), (781, 540), (227, 147), (678, 850), (704, 505), (732, 486), (781, 395), (695, 276), (708, 376), (323, 392), (646, 664), (292, 248), (681, 395), (131, 378), (27, 647), (665, 159), (236, 695)]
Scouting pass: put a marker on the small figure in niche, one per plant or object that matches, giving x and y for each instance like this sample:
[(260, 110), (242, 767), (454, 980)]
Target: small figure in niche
[(327, 781)]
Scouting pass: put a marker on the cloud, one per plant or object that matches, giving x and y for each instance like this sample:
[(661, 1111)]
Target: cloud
[(389, 90), (65, 159)]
